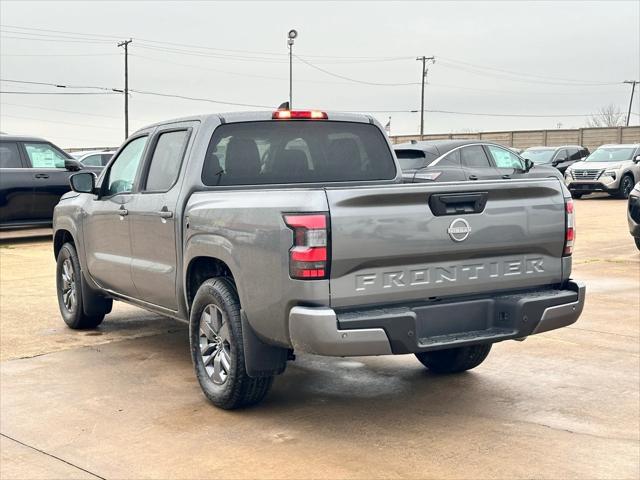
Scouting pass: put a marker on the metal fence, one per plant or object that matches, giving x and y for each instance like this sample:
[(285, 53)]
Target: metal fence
[(591, 138)]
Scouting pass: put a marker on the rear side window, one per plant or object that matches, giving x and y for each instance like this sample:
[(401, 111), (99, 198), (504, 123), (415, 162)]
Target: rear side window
[(44, 155), (474, 157), (166, 160), (9, 156), (271, 152), (452, 158)]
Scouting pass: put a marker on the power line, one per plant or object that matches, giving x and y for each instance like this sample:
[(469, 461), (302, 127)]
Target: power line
[(59, 85), (511, 72), (22, 92), (35, 107), (84, 41), (184, 97), (364, 82), (59, 122), (60, 54)]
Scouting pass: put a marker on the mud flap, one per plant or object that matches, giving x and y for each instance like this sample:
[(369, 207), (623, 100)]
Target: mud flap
[(94, 304), (261, 359)]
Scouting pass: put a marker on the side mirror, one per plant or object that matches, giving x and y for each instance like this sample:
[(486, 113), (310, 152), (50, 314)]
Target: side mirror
[(528, 164), (84, 182), (72, 165), (637, 159), (555, 163)]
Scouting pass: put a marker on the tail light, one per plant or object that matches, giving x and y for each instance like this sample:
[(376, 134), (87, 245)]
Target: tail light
[(570, 227), (308, 257), (299, 115)]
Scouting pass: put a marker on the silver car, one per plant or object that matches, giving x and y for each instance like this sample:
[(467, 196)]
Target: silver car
[(613, 169)]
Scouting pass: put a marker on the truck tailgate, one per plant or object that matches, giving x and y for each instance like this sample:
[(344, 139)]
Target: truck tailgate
[(393, 244)]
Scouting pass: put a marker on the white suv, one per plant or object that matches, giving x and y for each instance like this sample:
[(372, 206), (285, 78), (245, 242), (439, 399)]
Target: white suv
[(610, 168)]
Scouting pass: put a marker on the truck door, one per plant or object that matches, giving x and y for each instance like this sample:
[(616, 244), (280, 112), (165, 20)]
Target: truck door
[(152, 216), (106, 225)]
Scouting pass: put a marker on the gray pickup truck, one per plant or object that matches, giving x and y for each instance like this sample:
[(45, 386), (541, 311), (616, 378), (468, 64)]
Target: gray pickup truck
[(291, 231)]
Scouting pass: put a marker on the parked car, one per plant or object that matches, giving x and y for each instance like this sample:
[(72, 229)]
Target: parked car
[(324, 251), (610, 168), (96, 158), (34, 174), (560, 157), (633, 214), (459, 160)]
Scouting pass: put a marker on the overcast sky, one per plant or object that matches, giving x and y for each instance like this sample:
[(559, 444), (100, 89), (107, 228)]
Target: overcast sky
[(517, 58)]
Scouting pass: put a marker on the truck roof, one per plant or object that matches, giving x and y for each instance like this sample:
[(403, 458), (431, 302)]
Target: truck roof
[(263, 115)]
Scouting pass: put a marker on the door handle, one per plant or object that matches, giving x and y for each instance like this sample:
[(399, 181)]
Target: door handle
[(165, 214), (41, 175), (123, 211), (473, 177), (506, 176)]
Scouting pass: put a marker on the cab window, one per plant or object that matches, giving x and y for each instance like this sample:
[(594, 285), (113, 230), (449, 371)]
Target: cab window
[(122, 173), (166, 160), (503, 158), (44, 155)]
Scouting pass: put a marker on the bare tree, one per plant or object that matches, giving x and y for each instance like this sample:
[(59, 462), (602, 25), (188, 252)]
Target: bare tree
[(608, 116)]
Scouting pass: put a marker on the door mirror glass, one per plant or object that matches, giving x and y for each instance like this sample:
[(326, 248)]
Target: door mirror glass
[(637, 159), (84, 182), (72, 165)]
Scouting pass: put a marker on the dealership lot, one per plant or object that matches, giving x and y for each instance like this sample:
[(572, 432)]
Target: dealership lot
[(122, 401)]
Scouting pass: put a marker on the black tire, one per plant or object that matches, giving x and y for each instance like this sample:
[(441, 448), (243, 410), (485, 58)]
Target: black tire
[(236, 389), (637, 240), (454, 360), (576, 195), (626, 185), (69, 286)]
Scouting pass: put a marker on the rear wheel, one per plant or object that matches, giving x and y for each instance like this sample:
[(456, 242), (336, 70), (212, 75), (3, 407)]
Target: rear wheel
[(69, 289), (454, 360), (637, 240), (217, 350), (626, 185), (576, 195)]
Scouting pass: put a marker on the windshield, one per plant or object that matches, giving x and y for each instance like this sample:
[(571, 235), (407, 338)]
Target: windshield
[(296, 151), (539, 156), (611, 154)]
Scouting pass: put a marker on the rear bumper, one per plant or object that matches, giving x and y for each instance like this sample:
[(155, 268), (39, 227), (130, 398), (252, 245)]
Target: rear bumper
[(426, 326)]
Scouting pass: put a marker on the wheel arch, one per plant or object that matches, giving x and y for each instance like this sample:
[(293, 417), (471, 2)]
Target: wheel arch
[(60, 237), (201, 268)]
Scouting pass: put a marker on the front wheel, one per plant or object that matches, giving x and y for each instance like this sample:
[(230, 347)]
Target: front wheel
[(69, 289), (626, 185), (454, 360), (217, 350)]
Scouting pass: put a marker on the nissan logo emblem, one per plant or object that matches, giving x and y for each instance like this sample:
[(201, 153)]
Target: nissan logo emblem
[(459, 230)]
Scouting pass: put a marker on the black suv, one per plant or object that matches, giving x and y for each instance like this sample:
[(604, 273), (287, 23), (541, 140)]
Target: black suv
[(34, 174), (560, 157)]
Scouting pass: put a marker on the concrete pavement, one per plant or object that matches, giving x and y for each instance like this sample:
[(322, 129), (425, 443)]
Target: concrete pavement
[(123, 402)]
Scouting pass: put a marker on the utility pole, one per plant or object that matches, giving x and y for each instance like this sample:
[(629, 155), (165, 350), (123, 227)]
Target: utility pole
[(424, 61), (633, 88), (125, 44), (292, 36)]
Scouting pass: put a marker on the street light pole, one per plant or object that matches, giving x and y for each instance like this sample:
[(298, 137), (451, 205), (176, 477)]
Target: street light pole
[(424, 61), (633, 88), (292, 36)]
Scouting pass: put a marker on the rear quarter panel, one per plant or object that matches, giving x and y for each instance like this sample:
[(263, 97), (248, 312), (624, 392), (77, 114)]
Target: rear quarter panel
[(245, 229)]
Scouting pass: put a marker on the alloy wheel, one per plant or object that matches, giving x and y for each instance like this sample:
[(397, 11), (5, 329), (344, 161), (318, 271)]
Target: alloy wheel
[(69, 294), (215, 347)]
